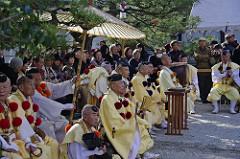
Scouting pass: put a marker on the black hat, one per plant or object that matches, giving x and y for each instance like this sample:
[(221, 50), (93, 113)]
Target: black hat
[(3, 77), (217, 46), (213, 42), (114, 77), (122, 63), (32, 70), (225, 52)]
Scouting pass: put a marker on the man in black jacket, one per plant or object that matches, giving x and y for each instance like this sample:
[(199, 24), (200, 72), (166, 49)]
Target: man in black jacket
[(176, 51)]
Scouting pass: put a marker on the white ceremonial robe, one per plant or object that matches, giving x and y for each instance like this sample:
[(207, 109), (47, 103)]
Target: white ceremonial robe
[(101, 86), (50, 110)]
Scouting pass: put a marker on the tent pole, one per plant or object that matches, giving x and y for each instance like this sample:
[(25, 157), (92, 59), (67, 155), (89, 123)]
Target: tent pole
[(78, 74), (123, 53)]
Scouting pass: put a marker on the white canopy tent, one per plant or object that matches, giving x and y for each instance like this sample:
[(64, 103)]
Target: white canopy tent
[(217, 15)]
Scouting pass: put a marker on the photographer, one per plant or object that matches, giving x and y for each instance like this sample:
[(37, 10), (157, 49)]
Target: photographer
[(216, 54)]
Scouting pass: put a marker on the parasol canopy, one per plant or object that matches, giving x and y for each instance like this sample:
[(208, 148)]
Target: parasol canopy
[(111, 27)]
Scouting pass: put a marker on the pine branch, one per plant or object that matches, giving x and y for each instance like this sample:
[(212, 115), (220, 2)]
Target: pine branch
[(8, 18)]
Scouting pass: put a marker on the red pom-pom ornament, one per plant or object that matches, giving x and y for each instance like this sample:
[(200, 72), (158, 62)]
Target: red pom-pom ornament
[(35, 107), (127, 95), (26, 105), (4, 123), (13, 106), (97, 133), (100, 99), (86, 71), (67, 128), (43, 85), (30, 119), (118, 105), (123, 115), (38, 122), (125, 103), (128, 115), (1, 108), (17, 121), (92, 66)]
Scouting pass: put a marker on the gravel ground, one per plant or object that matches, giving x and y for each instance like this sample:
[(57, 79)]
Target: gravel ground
[(210, 136)]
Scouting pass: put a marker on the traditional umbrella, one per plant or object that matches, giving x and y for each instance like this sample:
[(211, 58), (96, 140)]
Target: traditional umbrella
[(111, 28)]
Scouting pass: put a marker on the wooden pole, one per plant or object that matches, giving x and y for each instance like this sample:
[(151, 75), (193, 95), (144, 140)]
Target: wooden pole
[(78, 73), (123, 53)]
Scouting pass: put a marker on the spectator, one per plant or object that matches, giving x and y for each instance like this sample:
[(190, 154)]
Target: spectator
[(134, 62), (212, 44), (202, 56), (102, 42), (119, 48), (77, 54), (217, 51), (114, 53), (230, 43), (57, 67), (167, 48), (85, 63), (176, 52), (24, 67), (128, 54), (105, 51), (236, 55), (38, 62), (144, 54), (97, 59), (156, 62), (68, 70), (49, 74), (12, 70)]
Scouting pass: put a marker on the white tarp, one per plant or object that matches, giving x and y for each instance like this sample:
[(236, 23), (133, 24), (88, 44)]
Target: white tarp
[(217, 15)]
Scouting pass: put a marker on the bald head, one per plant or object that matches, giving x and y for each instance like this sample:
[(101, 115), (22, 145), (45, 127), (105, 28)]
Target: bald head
[(166, 60)]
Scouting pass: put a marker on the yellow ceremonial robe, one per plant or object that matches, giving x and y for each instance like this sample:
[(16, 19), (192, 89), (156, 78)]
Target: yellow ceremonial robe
[(225, 86), (146, 140), (93, 75), (156, 107), (167, 79), (74, 134), (7, 132), (51, 146), (119, 131)]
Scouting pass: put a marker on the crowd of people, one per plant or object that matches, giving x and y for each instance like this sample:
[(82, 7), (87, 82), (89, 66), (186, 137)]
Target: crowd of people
[(121, 98)]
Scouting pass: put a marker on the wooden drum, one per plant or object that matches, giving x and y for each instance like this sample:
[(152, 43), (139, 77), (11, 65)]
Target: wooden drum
[(181, 69)]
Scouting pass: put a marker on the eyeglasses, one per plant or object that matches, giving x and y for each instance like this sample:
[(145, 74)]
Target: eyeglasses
[(4, 88), (94, 108)]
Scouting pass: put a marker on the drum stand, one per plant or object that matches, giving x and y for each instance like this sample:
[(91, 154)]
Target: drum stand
[(175, 111)]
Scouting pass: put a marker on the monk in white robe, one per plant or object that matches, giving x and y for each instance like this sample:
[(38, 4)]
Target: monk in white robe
[(225, 75), (53, 123)]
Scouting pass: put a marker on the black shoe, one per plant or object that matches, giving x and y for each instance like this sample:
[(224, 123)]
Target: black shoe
[(205, 101)]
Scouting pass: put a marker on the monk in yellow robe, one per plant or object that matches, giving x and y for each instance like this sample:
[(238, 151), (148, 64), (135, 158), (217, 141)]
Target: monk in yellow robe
[(14, 132), (118, 119), (193, 81), (168, 79), (73, 147), (225, 75), (97, 85), (22, 96), (143, 88)]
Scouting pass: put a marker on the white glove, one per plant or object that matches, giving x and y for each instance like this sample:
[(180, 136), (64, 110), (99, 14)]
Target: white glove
[(224, 74), (29, 143), (68, 106), (5, 145), (92, 92), (11, 137), (98, 152), (41, 140)]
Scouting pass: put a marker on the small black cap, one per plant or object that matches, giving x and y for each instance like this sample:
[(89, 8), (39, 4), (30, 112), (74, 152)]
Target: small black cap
[(114, 77)]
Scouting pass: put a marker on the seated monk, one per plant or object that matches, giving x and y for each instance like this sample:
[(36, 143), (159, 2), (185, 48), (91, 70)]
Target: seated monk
[(118, 119), (27, 109), (168, 79), (225, 75), (73, 147), (15, 133), (53, 123), (143, 88), (193, 81)]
